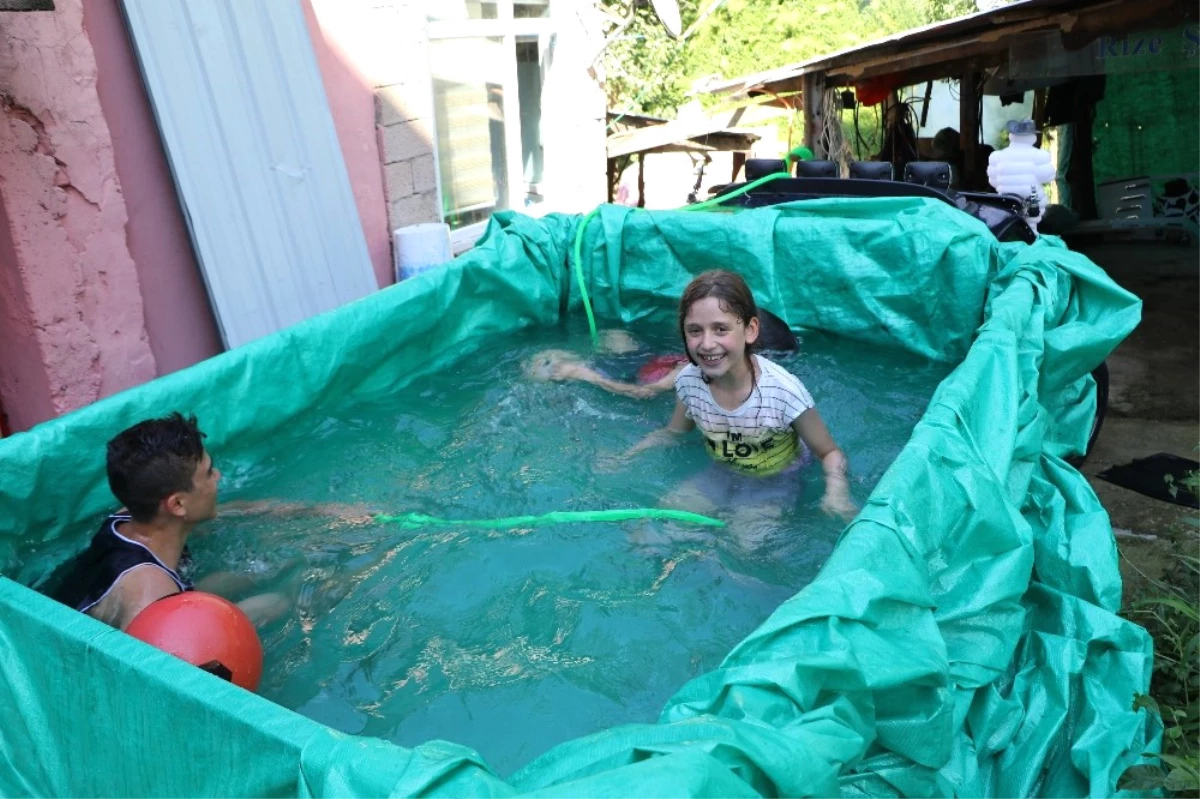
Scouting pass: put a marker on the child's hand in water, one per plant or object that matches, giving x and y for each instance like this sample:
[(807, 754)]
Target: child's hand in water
[(637, 391), (611, 462), (839, 506)]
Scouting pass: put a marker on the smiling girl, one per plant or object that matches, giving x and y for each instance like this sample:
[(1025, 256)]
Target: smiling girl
[(755, 416)]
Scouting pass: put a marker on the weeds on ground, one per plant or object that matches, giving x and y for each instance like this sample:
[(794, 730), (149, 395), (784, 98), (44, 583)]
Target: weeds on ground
[(1188, 482), (1173, 620)]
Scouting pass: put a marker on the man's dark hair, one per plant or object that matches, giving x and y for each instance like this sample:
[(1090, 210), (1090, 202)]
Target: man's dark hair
[(153, 460)]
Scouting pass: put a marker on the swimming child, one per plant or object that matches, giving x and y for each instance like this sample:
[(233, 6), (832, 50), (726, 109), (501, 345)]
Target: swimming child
[(755, 416), (655, 375), (622, 350), (567, 365)]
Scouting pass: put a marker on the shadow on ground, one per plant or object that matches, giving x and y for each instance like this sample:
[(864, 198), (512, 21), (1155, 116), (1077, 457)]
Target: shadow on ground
[(1153, 403)]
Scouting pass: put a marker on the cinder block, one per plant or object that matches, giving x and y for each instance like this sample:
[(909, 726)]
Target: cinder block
[(406, 140), (414, 209), (398, 180), (424, 173), (402, 102)]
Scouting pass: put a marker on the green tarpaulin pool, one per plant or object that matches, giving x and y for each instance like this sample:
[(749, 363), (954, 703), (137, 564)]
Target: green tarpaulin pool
[(961, 639)]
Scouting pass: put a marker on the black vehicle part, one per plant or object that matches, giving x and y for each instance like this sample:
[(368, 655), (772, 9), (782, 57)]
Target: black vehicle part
[(935, 174), (1003, 214), (872, 170), (761, 167), (816, 169)]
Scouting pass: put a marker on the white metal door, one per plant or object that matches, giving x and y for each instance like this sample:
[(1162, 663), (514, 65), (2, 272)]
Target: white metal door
[(257, 164)]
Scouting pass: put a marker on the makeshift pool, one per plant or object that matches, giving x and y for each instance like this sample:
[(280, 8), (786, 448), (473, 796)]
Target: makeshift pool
[(953, 642), (513, 640)]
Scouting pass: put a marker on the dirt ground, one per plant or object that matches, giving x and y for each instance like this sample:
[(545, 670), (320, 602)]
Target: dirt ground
[(1153, 402)]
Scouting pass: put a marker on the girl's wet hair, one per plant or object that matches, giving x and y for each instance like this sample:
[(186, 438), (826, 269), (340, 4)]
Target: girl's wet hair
[(734, 297)]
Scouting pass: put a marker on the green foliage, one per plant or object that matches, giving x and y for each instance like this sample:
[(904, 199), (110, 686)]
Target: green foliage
[(864, 143), (1174, 621), (868, 139), (648, 72), (644, 67), (1189, 483)]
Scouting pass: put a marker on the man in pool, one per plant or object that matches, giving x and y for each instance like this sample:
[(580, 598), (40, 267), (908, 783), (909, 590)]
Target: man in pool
[(165, 478)]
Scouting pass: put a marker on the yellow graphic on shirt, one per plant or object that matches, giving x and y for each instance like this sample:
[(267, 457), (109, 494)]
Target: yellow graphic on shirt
[(770, 454)]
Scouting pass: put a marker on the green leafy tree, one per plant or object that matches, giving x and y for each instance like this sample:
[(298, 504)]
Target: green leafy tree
[(644, 67), (648, 72)]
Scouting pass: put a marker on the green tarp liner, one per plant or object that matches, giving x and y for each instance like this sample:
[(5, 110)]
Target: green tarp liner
[(961, 639)]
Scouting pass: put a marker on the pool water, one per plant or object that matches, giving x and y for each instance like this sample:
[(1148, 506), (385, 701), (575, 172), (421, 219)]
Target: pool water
[(513, 640)]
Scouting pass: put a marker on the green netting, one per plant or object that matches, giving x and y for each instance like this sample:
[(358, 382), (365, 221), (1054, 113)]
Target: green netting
[(961, 639), (1147, 125)]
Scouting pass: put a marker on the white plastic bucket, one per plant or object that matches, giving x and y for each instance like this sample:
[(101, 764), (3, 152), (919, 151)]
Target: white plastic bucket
[(419, 247)]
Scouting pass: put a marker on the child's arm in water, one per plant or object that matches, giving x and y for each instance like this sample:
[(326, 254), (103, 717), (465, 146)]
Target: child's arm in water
[(340, 511), (573, 370), (563, 365), (813, 432), (664, 383), (671, 434)]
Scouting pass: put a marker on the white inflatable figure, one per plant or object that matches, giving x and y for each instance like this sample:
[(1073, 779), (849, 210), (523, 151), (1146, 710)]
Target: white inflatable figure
[(1021, 168)]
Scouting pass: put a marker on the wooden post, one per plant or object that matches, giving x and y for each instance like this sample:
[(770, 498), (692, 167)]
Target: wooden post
[(612, 179), (814, 113), (1039, 110), (739, 161), (641, 203), (968, 126)]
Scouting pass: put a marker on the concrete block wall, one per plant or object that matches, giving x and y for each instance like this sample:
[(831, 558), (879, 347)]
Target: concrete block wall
[(404, 116), (382, 45)]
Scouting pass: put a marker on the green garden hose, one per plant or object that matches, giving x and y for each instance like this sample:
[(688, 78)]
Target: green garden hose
[(411, 521)]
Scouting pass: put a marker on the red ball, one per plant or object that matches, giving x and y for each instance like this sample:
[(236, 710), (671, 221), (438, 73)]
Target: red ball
[(206, 631), (659, 367)]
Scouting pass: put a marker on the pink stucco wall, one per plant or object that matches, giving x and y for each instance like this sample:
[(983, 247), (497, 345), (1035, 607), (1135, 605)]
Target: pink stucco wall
[(338, 29), (68, 273), (179, 318), (24, 385)]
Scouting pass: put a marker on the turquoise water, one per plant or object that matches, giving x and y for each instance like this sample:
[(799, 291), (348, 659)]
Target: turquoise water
[(513, 640)]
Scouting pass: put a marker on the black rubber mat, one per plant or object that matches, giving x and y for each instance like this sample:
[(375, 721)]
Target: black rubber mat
[(1149, 476)]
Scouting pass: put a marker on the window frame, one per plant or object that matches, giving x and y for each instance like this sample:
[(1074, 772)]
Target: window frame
[(509, 28)]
